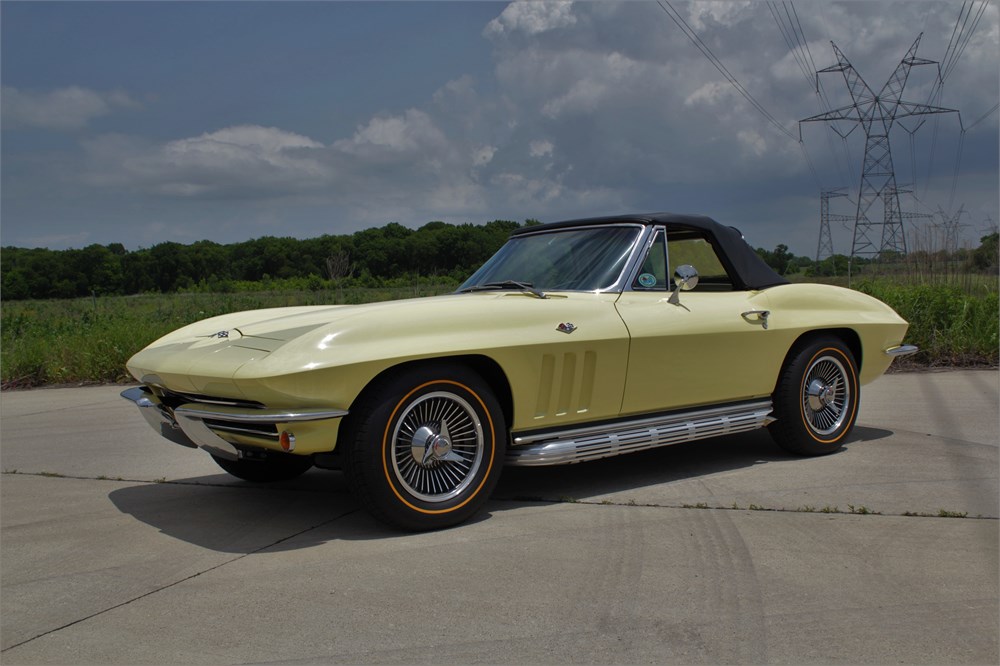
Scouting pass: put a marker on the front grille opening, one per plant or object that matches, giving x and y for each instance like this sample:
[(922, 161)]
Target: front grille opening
[(265, 430), (173, 399)]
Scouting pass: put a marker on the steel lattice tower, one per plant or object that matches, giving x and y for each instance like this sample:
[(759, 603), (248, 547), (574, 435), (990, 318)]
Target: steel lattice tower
[(952, 227), (824, 248), (897, 212), (893, 209), (876, 114)]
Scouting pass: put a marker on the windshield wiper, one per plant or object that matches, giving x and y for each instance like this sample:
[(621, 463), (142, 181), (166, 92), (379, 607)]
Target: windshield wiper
[(505, 284)]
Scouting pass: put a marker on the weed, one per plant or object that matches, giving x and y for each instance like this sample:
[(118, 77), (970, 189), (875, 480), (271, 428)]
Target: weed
[(942, 513), (90, 339)]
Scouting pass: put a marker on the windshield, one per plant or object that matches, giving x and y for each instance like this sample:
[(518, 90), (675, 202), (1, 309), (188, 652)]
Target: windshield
[(581, 259)]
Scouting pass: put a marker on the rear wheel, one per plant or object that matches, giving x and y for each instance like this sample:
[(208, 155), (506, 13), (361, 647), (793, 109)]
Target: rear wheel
[(816, 402), (274, 467), (425, 447)]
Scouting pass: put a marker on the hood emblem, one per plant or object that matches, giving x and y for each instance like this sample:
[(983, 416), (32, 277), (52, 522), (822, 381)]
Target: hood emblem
[(566, 328)]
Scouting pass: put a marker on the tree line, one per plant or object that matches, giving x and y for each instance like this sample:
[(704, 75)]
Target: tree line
[(365, 258), (369, 258)]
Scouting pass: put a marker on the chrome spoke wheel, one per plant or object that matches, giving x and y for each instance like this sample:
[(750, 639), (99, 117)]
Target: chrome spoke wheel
[(437, 446), (826, 395)]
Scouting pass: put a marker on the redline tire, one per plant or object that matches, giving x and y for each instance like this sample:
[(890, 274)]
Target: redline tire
[(425, 447), (816, 400)]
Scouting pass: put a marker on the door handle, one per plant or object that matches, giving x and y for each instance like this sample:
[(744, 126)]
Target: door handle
[(761, 315)]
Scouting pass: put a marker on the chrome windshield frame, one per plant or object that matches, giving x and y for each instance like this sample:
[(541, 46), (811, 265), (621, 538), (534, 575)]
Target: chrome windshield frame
[(636, 252)]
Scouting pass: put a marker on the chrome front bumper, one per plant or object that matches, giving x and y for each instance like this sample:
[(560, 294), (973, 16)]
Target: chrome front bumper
[(186, 424), (901, 350)]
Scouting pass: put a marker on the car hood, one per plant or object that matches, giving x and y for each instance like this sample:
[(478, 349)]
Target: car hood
[(209, 355)]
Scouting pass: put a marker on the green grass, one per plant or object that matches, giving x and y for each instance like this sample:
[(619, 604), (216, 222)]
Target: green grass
[(88, 340), (951, 326)]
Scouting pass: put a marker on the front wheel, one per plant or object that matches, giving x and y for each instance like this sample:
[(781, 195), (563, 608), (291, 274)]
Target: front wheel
[(816, 401), (425, 447)]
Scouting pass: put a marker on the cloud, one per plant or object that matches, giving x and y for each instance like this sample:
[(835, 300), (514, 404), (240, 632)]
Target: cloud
[(63, 109), (483, 155), (531, 18), (248, 161), (640, 122), (703, 15), (541, 148), (589, 108), (408, 133)]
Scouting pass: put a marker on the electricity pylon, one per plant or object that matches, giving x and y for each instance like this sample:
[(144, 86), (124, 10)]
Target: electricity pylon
[(876, 113), (952, 227), (824, 248), (893, 209), (991, 226)]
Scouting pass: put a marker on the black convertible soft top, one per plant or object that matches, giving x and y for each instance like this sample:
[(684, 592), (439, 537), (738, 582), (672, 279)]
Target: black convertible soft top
[(744, 265)]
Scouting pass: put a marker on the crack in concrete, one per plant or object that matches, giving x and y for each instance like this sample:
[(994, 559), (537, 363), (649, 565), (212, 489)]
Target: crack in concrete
[(852, 510), (178, 582)]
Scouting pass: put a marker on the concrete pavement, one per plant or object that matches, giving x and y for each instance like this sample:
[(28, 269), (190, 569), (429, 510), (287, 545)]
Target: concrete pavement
[(119, 547)]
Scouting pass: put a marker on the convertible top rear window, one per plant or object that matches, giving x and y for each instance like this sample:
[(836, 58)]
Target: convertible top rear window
[(580, 259)]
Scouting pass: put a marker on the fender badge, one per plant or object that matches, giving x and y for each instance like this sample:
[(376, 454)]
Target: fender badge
[(220, 334), (566, 328)]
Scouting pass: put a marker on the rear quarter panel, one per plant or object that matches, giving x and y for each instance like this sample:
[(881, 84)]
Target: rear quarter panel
[(797, 309)]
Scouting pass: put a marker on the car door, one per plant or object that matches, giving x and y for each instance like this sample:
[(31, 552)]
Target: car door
[(705, 346)]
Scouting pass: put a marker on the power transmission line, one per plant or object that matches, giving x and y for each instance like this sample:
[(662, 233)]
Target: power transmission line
[(876, 113), (787, 20), (712, 58), (961, 35), (983, 117)]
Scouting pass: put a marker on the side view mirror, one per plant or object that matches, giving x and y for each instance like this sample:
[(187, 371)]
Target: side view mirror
[(685, 279)]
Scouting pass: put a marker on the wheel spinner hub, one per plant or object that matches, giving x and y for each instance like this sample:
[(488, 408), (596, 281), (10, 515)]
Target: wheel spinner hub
[(820, 394), (430, 445)]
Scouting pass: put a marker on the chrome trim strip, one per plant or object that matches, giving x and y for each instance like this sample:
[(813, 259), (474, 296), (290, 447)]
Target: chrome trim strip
[(580, 444), (236, 415), (901, 350)]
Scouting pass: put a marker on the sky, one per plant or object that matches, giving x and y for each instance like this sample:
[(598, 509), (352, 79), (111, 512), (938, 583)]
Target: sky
[(145, 122)]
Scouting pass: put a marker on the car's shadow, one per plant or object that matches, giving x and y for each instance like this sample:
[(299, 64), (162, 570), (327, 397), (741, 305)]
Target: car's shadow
[(220, 513)]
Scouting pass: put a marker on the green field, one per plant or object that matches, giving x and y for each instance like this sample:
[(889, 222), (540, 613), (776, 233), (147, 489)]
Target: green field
[(88, 340)]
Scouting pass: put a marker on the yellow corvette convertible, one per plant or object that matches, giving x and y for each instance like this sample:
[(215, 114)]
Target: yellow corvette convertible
[(578, 340)]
